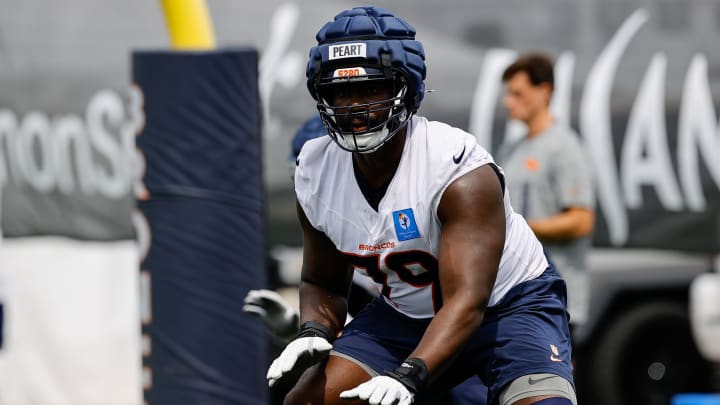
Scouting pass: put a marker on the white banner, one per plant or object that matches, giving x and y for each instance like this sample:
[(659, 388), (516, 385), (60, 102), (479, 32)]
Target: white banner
[(72, 329)]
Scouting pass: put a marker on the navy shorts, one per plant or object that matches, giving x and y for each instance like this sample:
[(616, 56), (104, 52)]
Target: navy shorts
[(525, 333)]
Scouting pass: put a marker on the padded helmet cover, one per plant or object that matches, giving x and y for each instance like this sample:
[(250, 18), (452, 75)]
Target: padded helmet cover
[(369, 37)]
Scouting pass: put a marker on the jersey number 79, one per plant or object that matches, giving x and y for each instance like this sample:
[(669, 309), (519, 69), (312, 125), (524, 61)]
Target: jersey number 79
[(401, 263)]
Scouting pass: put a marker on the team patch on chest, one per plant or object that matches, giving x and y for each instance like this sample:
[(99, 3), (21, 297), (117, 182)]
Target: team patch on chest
[(405, 226)]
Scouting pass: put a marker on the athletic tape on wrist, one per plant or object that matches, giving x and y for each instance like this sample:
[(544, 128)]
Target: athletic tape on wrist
[(412, 373), (313, 329)]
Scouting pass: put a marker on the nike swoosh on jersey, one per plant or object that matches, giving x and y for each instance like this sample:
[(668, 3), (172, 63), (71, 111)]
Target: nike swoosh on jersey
[(459, 157), (533, 381), (297, 161)]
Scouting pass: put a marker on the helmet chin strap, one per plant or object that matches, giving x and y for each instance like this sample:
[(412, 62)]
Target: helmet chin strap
[(372, 141), (366, 143)]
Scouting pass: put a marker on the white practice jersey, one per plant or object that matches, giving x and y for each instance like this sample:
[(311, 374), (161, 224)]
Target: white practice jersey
[(398, 244)]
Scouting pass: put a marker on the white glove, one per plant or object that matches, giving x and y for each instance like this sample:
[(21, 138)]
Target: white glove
[(381, 390), (279, 317), (298, 355)]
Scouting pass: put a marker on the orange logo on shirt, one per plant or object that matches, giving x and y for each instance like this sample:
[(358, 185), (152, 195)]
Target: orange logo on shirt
[(555, 356), (532, 164), (377, 246)]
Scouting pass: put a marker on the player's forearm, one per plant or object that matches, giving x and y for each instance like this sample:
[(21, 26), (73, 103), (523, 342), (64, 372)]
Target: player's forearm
[(452, 326), (322, 305), (567, 225)]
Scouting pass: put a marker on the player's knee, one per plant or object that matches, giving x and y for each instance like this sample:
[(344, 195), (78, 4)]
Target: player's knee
[(302, 394), (295, 396), (560, 389), (304, 397)]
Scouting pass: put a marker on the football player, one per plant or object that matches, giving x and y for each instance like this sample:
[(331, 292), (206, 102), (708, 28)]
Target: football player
[(422, 209)]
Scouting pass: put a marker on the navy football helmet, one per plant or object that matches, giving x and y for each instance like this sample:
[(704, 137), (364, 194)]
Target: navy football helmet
[(310, 129), (365, 45)]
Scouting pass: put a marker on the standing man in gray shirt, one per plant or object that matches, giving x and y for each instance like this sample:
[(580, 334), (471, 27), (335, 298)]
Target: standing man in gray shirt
[(548, 177)]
